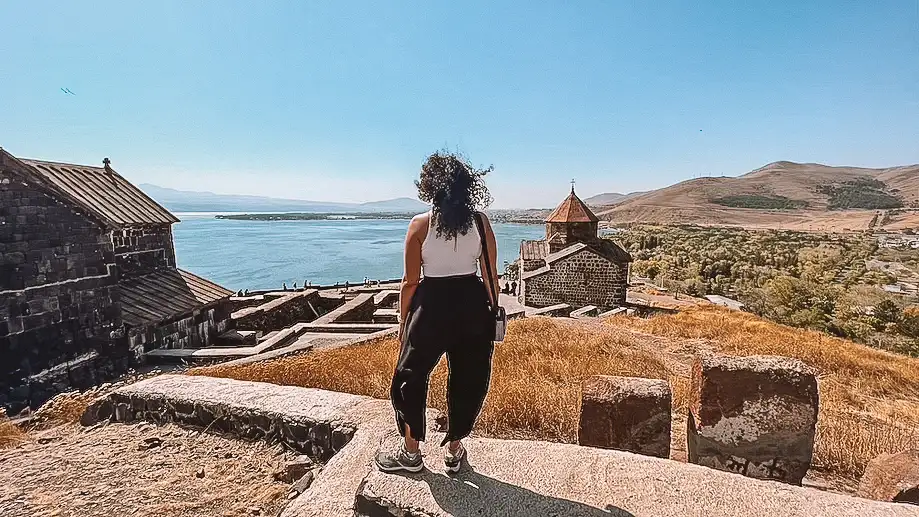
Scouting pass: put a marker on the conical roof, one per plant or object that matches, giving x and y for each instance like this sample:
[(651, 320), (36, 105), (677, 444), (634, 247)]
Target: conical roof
[(572, 210)]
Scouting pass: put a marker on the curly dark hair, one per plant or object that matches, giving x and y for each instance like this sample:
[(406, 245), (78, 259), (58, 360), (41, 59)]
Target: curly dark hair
[(455, 190)]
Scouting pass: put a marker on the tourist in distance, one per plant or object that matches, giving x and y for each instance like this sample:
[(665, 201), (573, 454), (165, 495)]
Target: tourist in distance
[(448, 311)]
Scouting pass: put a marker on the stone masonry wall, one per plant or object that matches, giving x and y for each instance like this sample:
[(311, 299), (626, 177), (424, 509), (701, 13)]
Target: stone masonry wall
[(572, 233), (530, 265), (58, 298), (194, 331), (140, 250), (583, 278)]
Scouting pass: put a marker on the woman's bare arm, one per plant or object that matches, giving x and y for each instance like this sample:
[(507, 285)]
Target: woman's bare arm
[(417, 231)]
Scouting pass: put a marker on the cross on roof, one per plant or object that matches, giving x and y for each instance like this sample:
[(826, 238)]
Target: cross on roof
[(572, 185)]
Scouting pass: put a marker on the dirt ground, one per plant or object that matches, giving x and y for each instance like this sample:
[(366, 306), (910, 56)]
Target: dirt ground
[(118, 470)]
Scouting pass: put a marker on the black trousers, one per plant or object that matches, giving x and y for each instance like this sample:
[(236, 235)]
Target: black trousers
[(447, 315)]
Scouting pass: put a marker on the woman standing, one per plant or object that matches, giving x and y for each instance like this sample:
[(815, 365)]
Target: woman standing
[(448, 312)]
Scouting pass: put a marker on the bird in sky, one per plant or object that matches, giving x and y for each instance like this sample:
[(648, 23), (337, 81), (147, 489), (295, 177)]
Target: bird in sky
[(67, 90)]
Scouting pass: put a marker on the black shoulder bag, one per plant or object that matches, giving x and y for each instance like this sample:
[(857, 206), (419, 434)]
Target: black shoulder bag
[(497, 311)]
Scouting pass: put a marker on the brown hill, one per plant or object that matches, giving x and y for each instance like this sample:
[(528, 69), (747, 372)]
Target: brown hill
[(610, 198), (784, 195)]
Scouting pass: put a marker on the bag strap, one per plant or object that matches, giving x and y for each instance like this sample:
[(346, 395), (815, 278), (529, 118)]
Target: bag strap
[(486, 267)]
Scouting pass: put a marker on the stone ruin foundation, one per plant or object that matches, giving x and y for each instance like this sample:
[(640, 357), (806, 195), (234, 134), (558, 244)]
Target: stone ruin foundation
[(626, 413), (754, 415)]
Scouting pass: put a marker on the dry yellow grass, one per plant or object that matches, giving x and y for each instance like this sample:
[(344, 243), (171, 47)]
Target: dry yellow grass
[(535, 389), (10, 434), (869, 398), (65, 408), (876, 372)]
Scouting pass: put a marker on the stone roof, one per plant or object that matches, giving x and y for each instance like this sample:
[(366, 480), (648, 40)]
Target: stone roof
[(572, 210), (611, 250), (567, 252), (100, 191), (533, 250), (603, 247), (165, 294)]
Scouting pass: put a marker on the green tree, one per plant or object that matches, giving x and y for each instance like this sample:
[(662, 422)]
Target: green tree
[(887, 312)]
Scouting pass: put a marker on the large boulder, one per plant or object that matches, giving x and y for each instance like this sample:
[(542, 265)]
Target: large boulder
[(892, 477), (626, 413), (754, 415)]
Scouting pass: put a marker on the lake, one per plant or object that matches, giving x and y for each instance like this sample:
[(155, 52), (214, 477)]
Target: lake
[(264, 254)]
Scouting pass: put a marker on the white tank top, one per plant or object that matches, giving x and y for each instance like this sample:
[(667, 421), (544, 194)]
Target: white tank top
[(441, 257)]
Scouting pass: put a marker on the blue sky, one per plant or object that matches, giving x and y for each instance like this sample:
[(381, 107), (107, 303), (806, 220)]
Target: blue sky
[(343, 100)]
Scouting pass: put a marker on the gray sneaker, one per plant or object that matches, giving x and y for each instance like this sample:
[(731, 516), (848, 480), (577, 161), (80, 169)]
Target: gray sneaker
[(399, 460), (453, 460)]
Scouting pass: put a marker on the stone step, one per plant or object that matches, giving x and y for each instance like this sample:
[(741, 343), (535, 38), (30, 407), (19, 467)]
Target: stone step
[(359, 328), (587, 311), (558, 310), (237, 338), (613, 312), (268, 336), (323, 340), (386, 316), (278, 339)]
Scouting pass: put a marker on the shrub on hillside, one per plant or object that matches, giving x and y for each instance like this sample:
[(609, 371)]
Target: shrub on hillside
[(867, 193), (760, 202)]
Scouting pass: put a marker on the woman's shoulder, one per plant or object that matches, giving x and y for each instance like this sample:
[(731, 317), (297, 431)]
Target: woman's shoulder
[(418, 226), (420, 219)]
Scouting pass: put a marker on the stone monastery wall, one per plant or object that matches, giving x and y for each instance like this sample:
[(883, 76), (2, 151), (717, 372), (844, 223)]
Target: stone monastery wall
[(58, 296), (195, 331), (583, 278), (143, 249)]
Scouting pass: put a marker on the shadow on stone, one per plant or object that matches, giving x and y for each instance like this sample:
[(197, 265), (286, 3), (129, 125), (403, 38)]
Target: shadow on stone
[(469, 493)]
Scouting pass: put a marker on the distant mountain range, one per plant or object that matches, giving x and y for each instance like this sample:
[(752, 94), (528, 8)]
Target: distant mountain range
[(782, 195), (188, 201)]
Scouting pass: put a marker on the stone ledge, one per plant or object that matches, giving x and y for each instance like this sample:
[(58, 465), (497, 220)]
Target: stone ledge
[(612, 312), (277, 339), (558, 310), (512, 478), (310, 421), (348, 328), (299, 347), (586, 311)]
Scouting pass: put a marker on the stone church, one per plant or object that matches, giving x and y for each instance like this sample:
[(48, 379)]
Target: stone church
[(573, 264), (88, 280)]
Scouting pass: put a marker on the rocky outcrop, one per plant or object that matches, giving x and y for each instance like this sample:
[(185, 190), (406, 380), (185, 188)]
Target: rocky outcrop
[(754, 415), (892, 477), (626, 413)]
